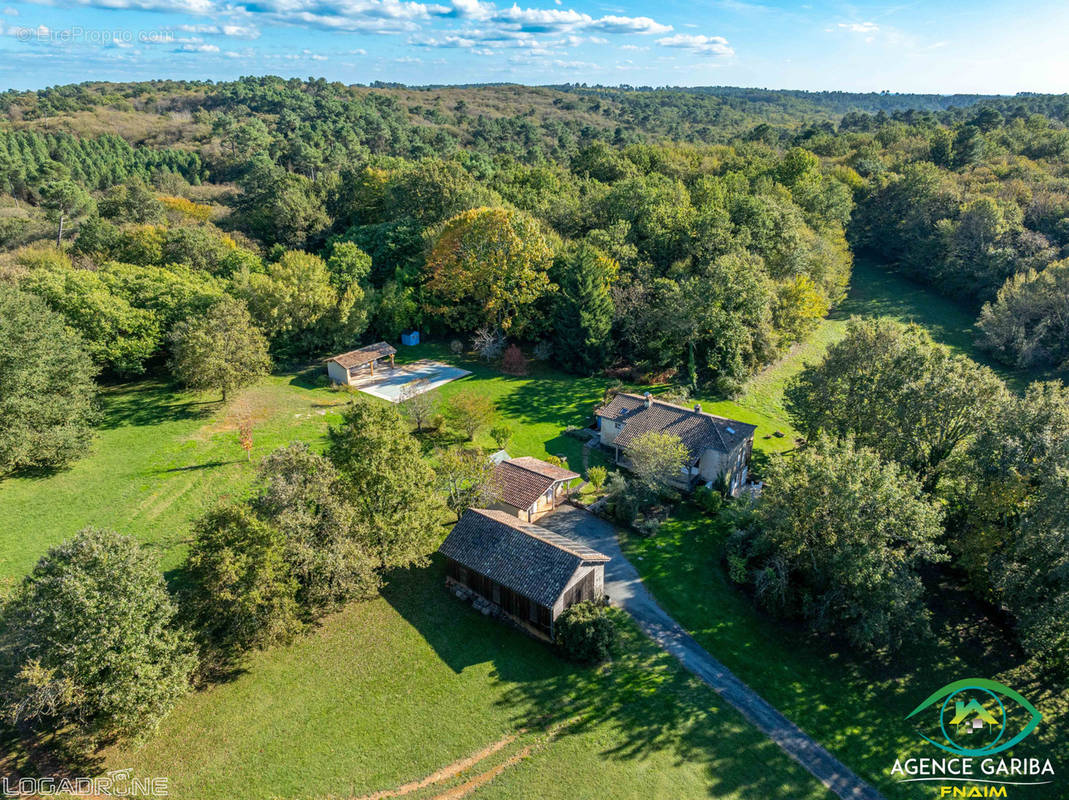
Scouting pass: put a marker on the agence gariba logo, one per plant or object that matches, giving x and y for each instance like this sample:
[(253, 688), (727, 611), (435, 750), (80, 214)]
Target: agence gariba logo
[(975, 720)]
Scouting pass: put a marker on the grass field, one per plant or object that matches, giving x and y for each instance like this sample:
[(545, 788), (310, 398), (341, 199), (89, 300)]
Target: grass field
[(853, 705), (874, 292), (391, 690), (162, 458)]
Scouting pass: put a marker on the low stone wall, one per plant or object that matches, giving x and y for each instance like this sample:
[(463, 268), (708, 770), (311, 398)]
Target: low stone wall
[(490, 609)]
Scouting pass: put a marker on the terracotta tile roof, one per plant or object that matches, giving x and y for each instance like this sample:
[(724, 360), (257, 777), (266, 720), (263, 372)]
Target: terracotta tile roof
[(521, 481), (354, 358), (525, 558), (698, 430)]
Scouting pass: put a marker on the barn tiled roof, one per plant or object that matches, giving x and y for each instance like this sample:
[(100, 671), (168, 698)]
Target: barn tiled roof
[(525, 558), (698, 430), (521, 481), (354, 358)]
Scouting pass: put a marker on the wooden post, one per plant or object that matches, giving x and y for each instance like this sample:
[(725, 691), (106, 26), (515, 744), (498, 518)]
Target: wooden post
[(391, 361), (372, 367)]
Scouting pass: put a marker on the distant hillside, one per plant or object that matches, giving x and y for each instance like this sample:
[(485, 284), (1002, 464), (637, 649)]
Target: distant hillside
[(523, 121)]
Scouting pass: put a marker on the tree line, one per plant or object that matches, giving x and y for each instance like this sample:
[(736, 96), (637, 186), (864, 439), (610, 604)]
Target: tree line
[(914, 457), (317, 532)]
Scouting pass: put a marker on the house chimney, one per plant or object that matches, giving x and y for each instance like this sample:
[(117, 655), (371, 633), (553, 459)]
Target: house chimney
[(649, 399), (697, 408)]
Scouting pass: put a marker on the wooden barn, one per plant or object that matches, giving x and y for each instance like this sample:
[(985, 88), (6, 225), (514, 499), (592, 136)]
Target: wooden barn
[(522, 570)]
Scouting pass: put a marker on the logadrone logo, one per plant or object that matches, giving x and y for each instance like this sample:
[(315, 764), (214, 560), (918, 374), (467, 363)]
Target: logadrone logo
[(974, 726), (117, 783)]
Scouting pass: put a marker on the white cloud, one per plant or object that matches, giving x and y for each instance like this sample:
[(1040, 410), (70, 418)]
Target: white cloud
[(197, 48), (11, 12), (860, 27), (708, 45), (552, 20), (237, 31), (482, 25)]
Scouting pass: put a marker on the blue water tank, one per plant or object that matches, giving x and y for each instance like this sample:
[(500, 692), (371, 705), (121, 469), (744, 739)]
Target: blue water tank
[(410, 338)]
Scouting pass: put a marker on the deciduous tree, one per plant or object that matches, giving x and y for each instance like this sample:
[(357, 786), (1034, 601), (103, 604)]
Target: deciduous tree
[(241, 593), (657, 459), (489, 266), (398, 512), (469, 411), (46, 382), (91, 642), (839, 537), (302, 495), (464, 475), (222, 350), (895, 390)]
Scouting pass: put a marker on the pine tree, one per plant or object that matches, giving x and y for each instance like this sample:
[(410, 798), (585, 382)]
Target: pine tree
[(584, 308)]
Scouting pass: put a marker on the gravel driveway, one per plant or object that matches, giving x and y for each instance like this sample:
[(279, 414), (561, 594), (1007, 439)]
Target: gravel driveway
[(625, 589)]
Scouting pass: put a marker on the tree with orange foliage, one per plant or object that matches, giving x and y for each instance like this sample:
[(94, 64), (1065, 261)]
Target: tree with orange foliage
[(489, 266)]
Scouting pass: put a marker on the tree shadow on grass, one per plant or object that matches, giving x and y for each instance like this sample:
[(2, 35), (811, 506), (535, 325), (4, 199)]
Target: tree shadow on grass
[(644, 698), (149, 403), (310, 377), (45, 754), (553, 398), (205, 465), (853, 703)]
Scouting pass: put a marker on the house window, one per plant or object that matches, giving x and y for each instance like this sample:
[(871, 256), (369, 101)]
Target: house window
[(462, 574), (497, 594)]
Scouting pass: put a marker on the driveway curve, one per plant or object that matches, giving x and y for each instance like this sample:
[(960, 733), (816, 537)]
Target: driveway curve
[(625, 589)]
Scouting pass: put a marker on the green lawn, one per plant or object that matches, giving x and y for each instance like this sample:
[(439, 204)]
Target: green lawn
[(874, 292), (161, 457), (392, 690), (854, 706)]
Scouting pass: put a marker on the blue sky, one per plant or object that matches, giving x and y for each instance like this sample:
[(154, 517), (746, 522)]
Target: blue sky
[(935, 46)]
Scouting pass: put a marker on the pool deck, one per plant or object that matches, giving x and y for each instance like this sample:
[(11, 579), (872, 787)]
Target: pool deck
[(387, 383)]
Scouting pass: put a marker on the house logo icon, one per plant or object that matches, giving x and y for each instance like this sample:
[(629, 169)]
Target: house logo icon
[(971, 717)]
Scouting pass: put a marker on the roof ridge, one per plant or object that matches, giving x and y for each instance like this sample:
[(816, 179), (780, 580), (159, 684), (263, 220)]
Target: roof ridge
[(512, 462), (525, 528), (677, 406)]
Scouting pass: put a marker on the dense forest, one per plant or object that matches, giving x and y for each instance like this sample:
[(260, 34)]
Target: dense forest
[(617, 205)]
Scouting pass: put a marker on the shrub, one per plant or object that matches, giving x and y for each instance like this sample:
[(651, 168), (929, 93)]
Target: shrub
[(456, 347), (514, 362), (621, 501), (596, 476), (647, 525), (502, 435), (708, 500), (586, 632), (542, 351), (488, 343)]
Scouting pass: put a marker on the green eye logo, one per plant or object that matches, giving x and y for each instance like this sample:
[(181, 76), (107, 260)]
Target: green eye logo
[(973, 717)]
